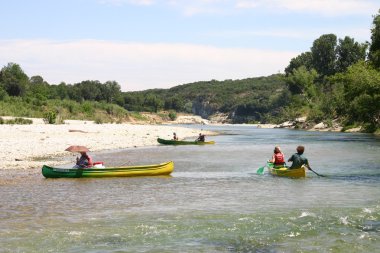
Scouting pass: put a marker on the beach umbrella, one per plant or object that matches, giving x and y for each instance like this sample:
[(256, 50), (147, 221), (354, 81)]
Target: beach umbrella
[(77, 149)]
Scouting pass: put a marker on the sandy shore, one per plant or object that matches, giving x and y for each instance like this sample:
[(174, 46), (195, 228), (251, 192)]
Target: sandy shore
[(31, 146)]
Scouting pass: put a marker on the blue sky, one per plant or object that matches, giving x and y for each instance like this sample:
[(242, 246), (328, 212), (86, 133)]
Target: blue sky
[(145, 44)]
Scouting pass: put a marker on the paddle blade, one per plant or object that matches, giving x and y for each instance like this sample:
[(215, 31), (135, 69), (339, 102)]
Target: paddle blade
[(260, 171)]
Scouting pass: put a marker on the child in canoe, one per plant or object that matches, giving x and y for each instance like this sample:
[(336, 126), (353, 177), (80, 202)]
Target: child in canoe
[(278, 158)]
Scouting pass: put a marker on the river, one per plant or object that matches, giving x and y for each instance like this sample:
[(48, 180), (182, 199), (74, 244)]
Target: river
[(213, 202)]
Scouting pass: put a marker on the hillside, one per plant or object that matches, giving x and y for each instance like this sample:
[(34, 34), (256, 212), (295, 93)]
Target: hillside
[(239, 101)]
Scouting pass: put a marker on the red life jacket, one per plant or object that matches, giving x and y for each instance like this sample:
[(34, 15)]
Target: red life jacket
[(279, 158)]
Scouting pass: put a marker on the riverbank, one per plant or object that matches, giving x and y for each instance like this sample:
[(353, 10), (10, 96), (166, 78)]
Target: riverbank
[(298, 123), (31, 146)]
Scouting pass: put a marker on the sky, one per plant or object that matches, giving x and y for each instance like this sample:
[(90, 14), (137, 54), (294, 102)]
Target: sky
[(147, 44)]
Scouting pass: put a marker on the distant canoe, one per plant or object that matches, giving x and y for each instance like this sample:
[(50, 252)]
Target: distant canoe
[(173, 142), (125, 171), (283, 171)]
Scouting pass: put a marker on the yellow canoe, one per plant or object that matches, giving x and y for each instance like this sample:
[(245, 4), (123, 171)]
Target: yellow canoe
[(284, 171), (125, 171)]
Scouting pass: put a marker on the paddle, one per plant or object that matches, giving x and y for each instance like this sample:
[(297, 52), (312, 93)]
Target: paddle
[(307, 166), (260, 171)]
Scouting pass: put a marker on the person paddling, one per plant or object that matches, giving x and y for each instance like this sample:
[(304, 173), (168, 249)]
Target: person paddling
[(84, 161), (201, 137), (278, 157), (298, 159)]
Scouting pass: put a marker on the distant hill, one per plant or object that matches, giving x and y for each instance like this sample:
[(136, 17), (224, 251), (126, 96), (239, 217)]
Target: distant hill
[(241, 101)]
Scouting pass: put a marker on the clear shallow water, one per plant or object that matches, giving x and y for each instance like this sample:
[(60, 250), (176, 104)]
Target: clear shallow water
[(213, 202)]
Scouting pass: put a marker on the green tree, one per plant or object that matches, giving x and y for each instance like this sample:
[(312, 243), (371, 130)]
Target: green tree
[(110, 90), (174, 103), (153, 103), (374, 49), (89, 90), (60, 91), (13, 79), (304, 59), (323, 54), (36, 80), (362, 93), (39, 87), (133, 101), (302, 81), (348, 53)]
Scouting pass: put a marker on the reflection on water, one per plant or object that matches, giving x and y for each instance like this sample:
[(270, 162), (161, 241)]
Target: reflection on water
[(213, 202)]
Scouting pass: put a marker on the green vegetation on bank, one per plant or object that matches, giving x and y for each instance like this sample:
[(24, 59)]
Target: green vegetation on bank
[(15, 121), (56, 111), (337, 80)]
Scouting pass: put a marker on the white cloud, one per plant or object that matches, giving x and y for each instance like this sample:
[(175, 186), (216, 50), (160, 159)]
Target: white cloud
[(326, 7), (138, 66), (359, 34)]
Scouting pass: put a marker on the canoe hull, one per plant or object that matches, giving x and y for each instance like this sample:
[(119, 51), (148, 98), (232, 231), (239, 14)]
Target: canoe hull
[(173, 142), (284, 171), (126, 171)]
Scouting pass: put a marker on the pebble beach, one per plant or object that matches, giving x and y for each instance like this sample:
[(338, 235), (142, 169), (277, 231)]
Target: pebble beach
[(31, 146)]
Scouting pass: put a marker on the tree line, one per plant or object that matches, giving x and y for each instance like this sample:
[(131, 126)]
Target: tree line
[(338, 79), (14, 82)]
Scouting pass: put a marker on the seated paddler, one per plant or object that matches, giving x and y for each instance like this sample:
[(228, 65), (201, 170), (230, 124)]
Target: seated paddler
[(278, 158), (84, 161), (298, 159), (201, 137)]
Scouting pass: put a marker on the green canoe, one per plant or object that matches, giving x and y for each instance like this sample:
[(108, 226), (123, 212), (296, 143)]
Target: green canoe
[(173, 142), (125, 171)]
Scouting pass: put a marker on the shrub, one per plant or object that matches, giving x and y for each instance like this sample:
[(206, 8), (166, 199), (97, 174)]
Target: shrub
[(329, 122), (369, 128), (22, 121), (172, 115), (87, 108), (98, 121), (138, 116), (3, 93), (349, 126), (50, 117), (18, 121), (316, 115)]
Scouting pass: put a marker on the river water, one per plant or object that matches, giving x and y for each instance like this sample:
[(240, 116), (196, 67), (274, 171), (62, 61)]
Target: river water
[(213, 202)]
